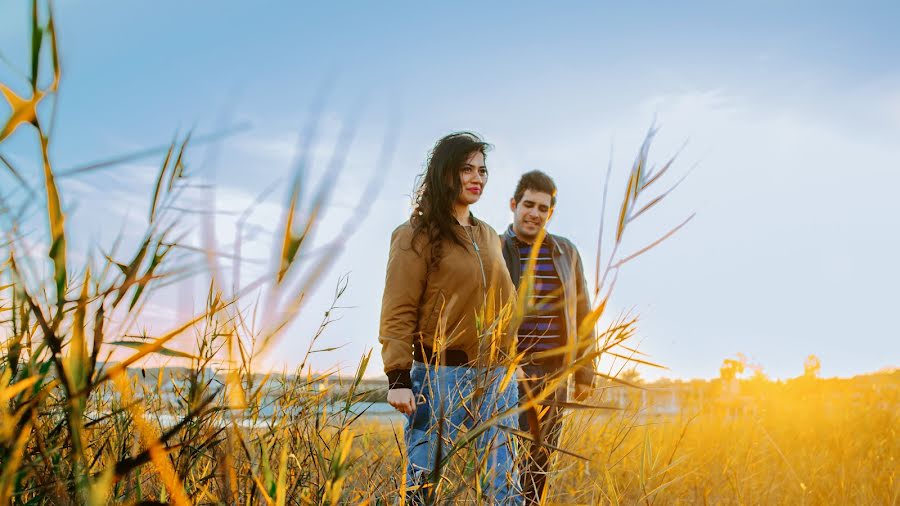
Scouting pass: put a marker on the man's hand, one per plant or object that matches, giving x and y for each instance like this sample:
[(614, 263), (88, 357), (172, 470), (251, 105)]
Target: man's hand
[(403, 400), (582, 391)]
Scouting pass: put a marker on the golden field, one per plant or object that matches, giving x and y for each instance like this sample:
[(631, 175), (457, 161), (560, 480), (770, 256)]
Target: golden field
[(804, 441)]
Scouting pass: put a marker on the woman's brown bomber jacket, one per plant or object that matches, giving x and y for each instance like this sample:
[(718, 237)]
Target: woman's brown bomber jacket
[(436, 316)]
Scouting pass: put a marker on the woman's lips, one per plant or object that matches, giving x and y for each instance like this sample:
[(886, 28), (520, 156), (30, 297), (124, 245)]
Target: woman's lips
[(474, 189)]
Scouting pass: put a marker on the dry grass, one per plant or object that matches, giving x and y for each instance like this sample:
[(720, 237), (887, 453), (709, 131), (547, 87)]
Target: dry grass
[(806, 441)]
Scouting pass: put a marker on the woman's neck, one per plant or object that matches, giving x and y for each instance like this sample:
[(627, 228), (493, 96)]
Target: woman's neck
[(461, 213)]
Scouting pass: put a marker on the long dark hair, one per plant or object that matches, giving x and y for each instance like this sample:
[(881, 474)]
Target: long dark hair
[(438, 188)]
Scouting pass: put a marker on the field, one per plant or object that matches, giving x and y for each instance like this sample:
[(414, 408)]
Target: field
[(806, 441)]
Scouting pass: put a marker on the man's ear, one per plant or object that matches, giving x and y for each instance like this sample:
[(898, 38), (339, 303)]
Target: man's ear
[(550, 214), (512, 205)]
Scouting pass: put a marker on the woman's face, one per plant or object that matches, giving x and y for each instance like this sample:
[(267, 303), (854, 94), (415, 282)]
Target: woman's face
[(473, 178)]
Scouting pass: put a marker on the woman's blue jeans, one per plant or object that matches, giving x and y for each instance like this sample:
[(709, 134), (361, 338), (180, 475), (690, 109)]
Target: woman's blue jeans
[(451, 398)]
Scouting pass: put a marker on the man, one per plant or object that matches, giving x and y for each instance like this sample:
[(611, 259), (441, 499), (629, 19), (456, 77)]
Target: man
[(548, 333)]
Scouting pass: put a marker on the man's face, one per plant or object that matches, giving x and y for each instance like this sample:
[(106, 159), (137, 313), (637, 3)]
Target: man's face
[(530, 213)]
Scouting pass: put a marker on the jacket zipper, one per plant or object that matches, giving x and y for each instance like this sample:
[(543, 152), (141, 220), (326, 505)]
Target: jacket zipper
[(480, 262)]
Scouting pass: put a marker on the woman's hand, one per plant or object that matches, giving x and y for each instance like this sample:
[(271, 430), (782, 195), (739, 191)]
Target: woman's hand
[(403, 400)]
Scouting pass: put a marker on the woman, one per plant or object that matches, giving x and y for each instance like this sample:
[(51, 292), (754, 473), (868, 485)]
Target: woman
[(445, 319)]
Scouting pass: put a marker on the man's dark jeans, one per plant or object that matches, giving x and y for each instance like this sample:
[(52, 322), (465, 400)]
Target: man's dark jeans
[(535, 463)]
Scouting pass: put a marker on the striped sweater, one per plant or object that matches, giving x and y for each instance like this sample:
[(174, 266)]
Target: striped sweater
[(543, 326)]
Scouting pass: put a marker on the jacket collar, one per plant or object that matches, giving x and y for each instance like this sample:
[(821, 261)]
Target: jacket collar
[(475, 221)]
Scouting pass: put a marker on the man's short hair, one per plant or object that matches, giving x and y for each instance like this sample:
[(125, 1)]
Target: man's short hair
[(537, 181)]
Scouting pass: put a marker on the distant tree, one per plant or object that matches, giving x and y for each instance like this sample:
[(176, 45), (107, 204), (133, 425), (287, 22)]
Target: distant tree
[(758, 374), (811, 367), (731, 368), (631, 376)]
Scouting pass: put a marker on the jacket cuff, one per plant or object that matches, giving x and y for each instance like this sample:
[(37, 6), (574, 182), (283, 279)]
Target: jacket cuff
[(399, 378)]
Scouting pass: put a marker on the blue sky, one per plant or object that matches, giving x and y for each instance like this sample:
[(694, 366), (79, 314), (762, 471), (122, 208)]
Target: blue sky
[(791, 113)]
